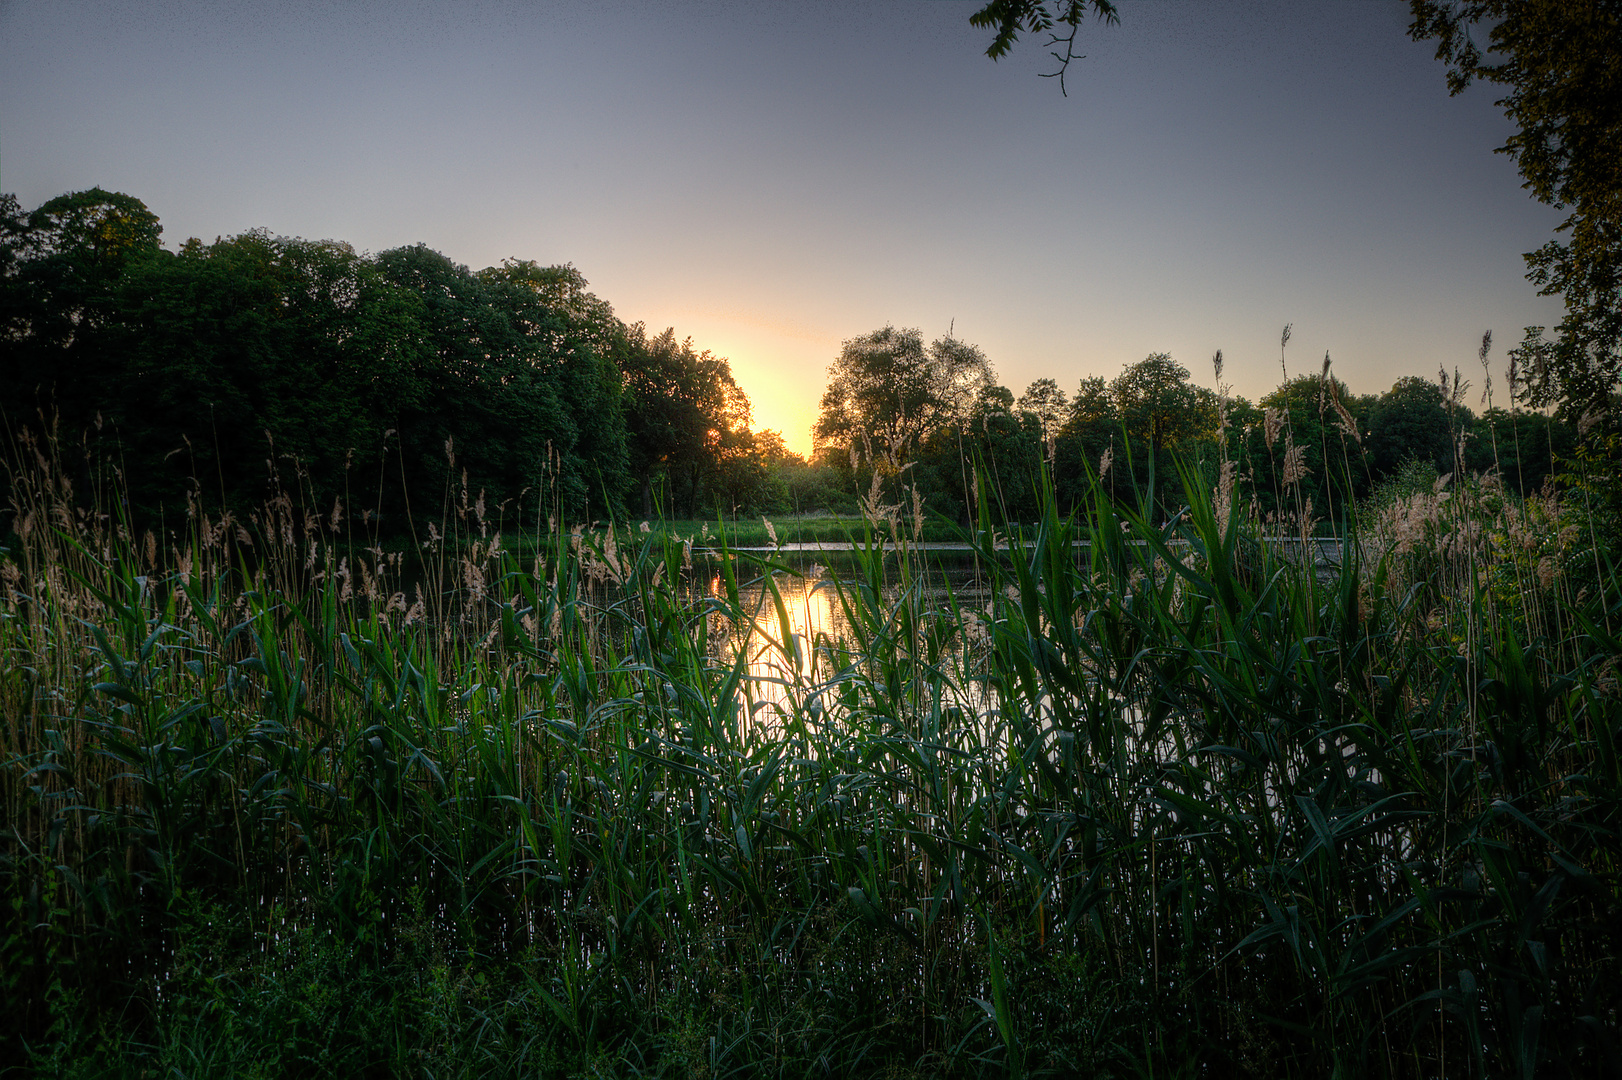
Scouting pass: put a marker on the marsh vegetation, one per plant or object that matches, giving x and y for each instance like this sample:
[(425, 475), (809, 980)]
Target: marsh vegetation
[(1166, 803)]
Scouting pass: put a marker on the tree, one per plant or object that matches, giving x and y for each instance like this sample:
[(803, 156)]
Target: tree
[(688, 422), (385, 381), (1562, 63), (572, 336), (1522, 446), (1410, 421), (491, 359), (1159, 407), (1319, 420), (1044, 400), (1091, 429), (1061, 21), (59, 265), (1009, 448), (222, 345), (887, 393), (103, 229)]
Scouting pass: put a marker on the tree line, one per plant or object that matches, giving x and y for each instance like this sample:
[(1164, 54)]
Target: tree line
[(226, 373), (230, 371), (906, 421)]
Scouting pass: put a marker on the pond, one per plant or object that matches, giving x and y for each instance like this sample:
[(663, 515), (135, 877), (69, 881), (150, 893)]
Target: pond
[(795, 652)]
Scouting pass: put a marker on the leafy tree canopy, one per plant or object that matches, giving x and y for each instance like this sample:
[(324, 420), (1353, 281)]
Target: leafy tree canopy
[(689, 423), (1060, 21), (1410, 421), (382, 378), (1158, 405), (1562, 64), (888, 392), (105, 228), (1044, 400)]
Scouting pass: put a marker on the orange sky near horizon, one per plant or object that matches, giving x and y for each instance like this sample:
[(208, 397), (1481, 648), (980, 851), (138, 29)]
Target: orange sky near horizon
[(777, 363)]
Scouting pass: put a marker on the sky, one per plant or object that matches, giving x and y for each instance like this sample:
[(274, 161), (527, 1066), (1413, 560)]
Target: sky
[(773, 179)]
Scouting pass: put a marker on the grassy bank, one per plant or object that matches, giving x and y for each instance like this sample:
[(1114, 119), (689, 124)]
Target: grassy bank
[(1152, 808), (745, 532)]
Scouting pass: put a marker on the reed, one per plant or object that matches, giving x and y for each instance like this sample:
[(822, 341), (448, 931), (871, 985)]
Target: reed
[(1165, 803)]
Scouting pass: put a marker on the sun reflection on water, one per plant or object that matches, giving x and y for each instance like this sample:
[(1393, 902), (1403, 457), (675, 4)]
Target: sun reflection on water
[(779, 660)]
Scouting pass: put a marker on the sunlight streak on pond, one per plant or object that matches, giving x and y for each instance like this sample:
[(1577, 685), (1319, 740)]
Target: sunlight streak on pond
[(800, 650), (783, 661)]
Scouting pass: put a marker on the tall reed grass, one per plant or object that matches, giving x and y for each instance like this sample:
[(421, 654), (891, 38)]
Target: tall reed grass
[(1162, 803)]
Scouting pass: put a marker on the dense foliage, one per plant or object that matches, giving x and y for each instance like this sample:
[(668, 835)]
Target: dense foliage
[(1561, 67), (902, 423), (364, 380), (384, 386)]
